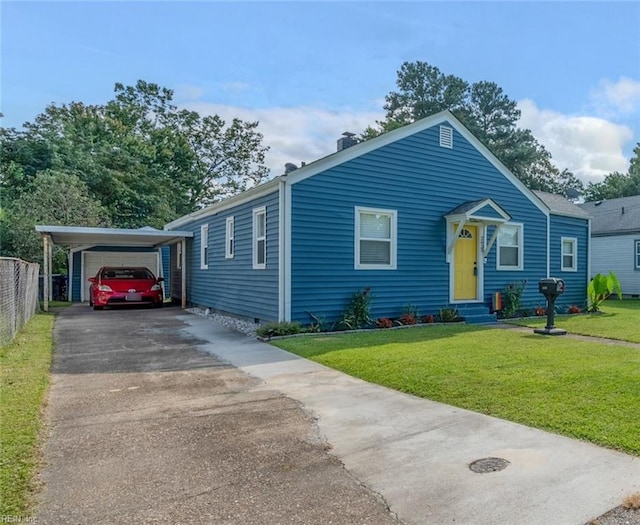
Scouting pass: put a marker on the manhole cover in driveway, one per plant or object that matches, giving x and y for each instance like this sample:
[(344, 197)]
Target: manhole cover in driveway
[(485, 465)]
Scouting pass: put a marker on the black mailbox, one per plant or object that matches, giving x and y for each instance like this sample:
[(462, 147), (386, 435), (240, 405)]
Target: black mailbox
[(551, 288)]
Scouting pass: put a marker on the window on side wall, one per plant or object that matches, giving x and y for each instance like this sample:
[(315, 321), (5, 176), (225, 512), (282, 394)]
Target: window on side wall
[(375, 242), (179, 255), (569, 254), (638, 254), (260, 238), (229, 239), (509, 247), (204, 247)]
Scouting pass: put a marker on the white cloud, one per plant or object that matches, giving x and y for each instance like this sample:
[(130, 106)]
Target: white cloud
[(185, 92), (590, 147), (235, 86), (616, 98), (294, 134)]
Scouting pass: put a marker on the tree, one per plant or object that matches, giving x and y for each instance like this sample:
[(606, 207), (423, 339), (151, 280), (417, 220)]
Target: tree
[(53, 198), (143, 159), (488, 113), (616, 184)]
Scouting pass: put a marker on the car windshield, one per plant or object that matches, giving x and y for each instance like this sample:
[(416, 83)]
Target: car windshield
[(126, 273)]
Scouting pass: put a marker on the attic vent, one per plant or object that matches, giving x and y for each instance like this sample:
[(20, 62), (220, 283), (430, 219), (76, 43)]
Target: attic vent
[(446, 137)]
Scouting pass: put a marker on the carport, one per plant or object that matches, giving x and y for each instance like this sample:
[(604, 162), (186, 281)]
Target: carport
[(76, 237)]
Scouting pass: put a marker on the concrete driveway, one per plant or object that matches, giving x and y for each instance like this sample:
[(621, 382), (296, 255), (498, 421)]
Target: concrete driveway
[(148, 426)]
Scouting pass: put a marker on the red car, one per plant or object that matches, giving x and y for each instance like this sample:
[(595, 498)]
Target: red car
[(113, 286)]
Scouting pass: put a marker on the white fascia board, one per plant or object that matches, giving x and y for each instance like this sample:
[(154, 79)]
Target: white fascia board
[(493, 205), (241, 198), (572, 215)]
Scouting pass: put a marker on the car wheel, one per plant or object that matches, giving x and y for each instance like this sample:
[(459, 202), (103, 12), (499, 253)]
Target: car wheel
[(97, 307)]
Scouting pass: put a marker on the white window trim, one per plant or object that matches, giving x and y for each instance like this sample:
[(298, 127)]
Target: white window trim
[(230, 239), (520, 266), (636, 255), (256, 213), (393, 241), (204, 247), (574, 242), (179, 256)]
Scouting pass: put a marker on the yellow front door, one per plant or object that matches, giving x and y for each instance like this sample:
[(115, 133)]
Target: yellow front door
[(465, 277)]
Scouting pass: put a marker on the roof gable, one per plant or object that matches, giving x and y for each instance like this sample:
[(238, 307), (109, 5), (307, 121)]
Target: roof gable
[(614, 215), (443, 117), (483, 209)]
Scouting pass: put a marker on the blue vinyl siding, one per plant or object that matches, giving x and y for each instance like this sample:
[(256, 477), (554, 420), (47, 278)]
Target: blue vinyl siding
[(166, 273), (575, 282), (232, 285), (422, 181)]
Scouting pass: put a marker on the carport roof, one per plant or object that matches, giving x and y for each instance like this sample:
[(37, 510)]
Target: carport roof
[(142, 237)]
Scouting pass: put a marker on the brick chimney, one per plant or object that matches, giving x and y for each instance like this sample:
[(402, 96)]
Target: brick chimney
[(347, 140)]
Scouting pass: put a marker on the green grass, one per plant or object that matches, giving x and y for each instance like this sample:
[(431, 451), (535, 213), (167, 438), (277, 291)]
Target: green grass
[(618, 320), (580, 389), (24, 377)]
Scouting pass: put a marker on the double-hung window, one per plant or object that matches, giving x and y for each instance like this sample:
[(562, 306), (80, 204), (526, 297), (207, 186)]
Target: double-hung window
[(204, 247), (509, 247), (375, 239), (637, 258), (229, 239), (569, 254), (260, 238)]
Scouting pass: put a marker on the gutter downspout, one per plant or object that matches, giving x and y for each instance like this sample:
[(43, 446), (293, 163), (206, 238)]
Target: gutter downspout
[(548, 244), (183, 276), (588, 252), (282, 235)]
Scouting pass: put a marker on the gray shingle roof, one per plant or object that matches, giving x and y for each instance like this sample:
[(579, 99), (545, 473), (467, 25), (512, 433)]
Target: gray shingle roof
[(614, 215), (558, 205)]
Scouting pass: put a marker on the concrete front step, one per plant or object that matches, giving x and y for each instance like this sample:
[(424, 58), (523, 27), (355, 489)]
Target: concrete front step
[(477, 314)]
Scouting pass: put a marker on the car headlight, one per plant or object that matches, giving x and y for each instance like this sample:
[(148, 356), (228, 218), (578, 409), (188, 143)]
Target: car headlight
[(156, 287), (104, 288)]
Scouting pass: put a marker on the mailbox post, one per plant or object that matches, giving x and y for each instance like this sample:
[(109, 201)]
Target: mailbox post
[(551, 288)]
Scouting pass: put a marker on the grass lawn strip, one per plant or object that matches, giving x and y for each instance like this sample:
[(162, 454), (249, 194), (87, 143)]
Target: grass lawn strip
[(585, 390), (24, 377), (618, 320)]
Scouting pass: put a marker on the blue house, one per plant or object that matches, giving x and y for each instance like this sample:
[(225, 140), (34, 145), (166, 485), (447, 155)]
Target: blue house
[(424, 215)]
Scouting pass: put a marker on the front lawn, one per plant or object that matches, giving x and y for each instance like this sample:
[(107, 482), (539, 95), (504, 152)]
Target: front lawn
[(24, 376), (584, 390), (618, 320)]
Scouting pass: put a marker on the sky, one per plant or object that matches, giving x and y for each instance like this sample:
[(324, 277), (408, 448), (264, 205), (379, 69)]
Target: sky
[(308, 71)]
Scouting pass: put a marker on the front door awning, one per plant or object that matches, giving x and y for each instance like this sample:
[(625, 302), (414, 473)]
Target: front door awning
[(486, 212)]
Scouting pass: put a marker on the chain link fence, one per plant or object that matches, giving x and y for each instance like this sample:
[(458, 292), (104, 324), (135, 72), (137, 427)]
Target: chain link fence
[(18, 296)]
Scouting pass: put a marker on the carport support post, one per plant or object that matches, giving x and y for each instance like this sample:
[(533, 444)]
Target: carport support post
[(45, 273), (183, 276)]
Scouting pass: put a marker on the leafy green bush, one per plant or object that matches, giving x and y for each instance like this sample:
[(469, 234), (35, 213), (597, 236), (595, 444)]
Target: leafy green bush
[(600, 288), (449, 315), (512, 298), (409, 315), (319, 324), (357, 314), (275, 329)]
